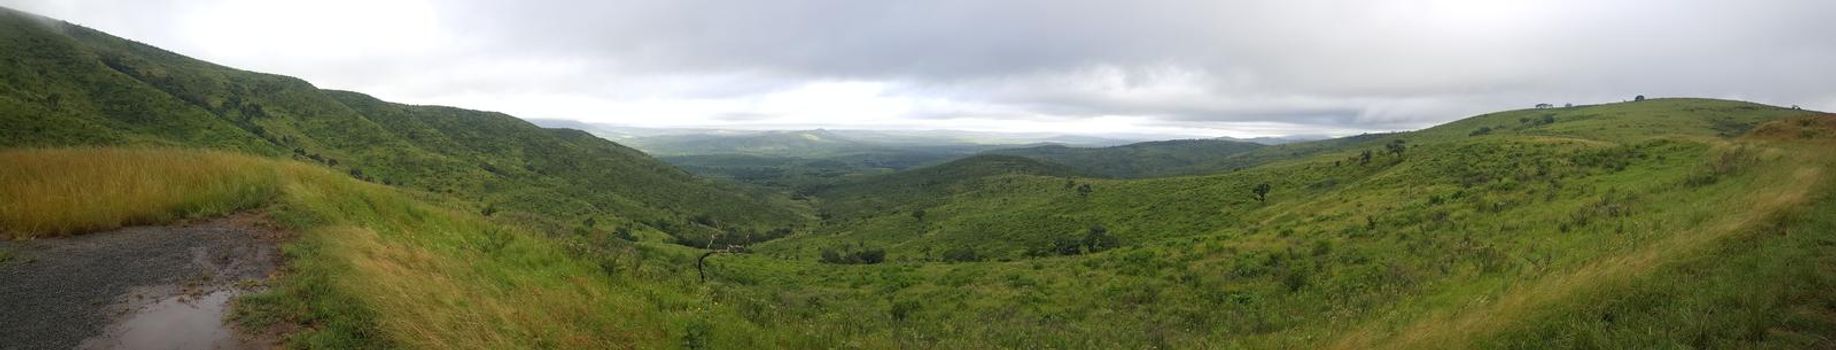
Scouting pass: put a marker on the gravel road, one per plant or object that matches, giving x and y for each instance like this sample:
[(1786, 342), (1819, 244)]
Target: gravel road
[(64, 293)]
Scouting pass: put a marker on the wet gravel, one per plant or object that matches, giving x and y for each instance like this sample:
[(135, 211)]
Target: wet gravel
[(55, 293)]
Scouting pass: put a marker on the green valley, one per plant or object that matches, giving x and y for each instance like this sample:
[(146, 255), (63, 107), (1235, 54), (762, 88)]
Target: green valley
[(1651, 223)]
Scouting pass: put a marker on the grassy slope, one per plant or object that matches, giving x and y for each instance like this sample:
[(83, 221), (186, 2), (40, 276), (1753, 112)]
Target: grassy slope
[(59, 192), (63, 85), (1146, 159), (1624, 225), (1381, 254), (377, 267)]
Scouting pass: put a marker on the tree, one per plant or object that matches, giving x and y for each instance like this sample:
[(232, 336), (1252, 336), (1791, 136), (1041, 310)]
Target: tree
[(1262, 192), (1098, 239), (1543, 105), (1568, 105), (701, 263), (1067, 246), (961, 254), (873, 256), (918, 214), (1639, 98), (1397, 147), (1364, 158), (1083, 190)]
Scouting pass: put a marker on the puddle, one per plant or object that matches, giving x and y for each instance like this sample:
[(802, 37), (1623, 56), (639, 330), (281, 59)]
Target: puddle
[(182, 322)]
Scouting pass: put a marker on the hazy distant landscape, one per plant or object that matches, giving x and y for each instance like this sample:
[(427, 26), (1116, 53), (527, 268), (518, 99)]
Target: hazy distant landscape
[(150, 199)]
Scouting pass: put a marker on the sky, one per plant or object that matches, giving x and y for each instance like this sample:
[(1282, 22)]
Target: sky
[(1197, 68)]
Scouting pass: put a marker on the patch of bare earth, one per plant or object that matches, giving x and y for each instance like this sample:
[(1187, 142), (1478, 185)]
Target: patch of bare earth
[(148, 287)]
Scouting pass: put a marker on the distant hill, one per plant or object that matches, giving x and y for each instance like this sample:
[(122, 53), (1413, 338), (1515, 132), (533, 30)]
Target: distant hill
[(803, 143), (1278, 140), (1146, 159), (822, 143), (67, 85), (926, 184)]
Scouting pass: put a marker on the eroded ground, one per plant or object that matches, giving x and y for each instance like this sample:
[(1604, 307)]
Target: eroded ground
[(150, 287)]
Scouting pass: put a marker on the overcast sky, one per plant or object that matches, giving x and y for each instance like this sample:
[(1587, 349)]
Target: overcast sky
[(1215, 68)]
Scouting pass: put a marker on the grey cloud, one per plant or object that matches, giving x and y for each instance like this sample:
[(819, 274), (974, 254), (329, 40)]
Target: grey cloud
[(1340, 64)]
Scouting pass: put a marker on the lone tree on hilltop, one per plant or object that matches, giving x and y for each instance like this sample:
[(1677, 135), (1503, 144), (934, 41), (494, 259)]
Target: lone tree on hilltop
[(1638, 98), (1262, 192)]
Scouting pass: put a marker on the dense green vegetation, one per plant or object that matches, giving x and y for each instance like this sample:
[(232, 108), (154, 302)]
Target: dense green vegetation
[(1651, 224), (1146, 159), (1349, 252), (61, 85), (801, 176)]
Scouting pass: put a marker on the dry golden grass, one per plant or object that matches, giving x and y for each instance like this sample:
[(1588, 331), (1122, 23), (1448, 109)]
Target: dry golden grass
[(55, 192)]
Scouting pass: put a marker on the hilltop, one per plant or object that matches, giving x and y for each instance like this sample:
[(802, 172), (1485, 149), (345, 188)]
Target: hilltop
[(68, 86), (1660, 223)]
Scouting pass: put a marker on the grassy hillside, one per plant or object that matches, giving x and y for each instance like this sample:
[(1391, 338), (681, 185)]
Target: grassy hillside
[(1506, 239), (1146, 159), (60, 192), (1666, 223), (380, 267), (66, 85)]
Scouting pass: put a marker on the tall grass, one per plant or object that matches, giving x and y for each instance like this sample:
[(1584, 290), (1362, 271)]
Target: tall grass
[(56, 192)]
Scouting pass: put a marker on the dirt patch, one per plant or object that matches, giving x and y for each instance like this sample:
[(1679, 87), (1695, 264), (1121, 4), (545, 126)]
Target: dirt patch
[(137, 287)]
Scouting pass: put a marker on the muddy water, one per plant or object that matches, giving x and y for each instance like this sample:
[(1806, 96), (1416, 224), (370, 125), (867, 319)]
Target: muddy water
[(182, 322), (149, 287)]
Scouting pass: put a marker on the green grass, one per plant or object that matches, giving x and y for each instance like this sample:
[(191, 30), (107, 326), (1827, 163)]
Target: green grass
[(73, 86), (1653, 224), (1339, 250), (1146, 159)]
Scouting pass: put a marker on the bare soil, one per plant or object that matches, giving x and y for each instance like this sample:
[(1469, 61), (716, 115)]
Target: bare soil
[(136, 287)]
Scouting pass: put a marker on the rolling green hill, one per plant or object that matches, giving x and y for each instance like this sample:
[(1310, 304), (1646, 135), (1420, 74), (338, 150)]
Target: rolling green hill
[(1664, 223), (804, 143), (1548, 216), (1146, 159), (64, 85)]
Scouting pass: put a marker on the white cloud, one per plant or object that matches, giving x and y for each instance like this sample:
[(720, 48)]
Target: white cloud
[(1240, 68)]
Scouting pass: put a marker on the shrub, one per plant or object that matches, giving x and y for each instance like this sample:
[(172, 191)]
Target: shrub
[(961, 254), (853, 257)]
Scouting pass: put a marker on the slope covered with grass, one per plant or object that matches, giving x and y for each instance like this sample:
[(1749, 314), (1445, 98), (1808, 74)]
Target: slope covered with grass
[(1501, 239), (1659, 223), (65, 85), (52, 192), (375, 266)]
